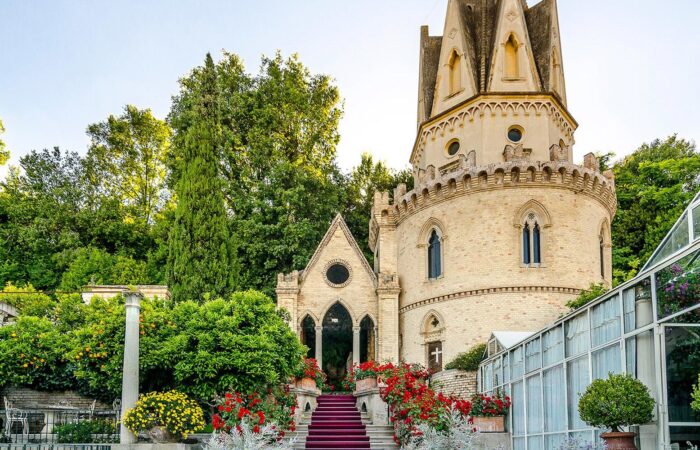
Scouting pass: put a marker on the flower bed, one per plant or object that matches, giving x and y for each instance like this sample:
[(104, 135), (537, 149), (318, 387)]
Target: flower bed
[(274, 411), (413, 404)]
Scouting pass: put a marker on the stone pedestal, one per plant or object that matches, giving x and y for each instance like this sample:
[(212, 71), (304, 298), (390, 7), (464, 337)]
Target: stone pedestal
[(306, 403), (130, 374), (369, 401)]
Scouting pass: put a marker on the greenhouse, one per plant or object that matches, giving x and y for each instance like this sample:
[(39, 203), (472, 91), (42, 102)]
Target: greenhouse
[(648, 327)]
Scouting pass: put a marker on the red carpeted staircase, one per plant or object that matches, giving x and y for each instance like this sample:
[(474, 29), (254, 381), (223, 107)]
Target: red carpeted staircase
[(336, 423)]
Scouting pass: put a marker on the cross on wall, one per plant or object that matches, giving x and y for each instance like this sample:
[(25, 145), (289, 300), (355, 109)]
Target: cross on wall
[(437, 353)]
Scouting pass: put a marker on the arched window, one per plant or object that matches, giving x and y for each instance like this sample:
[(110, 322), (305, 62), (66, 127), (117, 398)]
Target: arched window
[(532, 241), (455, 79), (434, 255), (601, 248), (511, 58)]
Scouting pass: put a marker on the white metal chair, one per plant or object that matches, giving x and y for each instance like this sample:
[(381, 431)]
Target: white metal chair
[(15, 415)]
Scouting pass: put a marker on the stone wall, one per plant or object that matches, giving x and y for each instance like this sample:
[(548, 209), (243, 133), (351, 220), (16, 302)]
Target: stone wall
[(30, 398), (455, 382)]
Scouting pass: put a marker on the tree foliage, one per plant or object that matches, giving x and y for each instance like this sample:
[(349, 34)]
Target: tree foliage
[(201, 256), (4, 153), (594, 291), (654, 185), (241, 342)]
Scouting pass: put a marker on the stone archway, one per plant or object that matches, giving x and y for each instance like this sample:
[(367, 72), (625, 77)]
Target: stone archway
[(368, 340), (337, 343), (308, 335)]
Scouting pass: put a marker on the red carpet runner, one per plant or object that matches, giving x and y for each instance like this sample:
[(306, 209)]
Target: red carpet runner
[(336, 423)]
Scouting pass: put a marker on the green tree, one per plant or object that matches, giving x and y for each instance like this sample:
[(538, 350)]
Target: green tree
[(200, 257), (4, 153), (126, 160), (362, 182), (279, 132), (594, 291), (654, 185)]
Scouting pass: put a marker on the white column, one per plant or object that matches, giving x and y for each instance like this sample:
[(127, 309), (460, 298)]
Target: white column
[(319, 346), (130, 374), (355, 345)]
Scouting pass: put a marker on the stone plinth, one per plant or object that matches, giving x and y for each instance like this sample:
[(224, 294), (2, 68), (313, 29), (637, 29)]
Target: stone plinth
[(306, 403), (370, 402)]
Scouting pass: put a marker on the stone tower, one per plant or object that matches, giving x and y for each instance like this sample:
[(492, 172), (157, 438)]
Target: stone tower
[(502, 228)]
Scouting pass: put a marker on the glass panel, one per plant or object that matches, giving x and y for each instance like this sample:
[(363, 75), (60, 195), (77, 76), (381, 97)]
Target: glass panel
[(682, 435), (497, 378), (534, 443), (519, 444), (534, 404), (552, 346), (532, 355), (607, 360), (488, 377), (554, 399), (678, 285), (554, 441), (517, 367), (577, 380), (682, 363), (696, 222), (637, 305), (676, 240), (691, 315), (583, 437), (605, 319), (506, 368), (639, 359), (518, 409), (577, 335)]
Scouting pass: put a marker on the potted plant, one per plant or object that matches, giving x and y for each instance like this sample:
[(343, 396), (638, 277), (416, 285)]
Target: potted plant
[(309, 376), (696, 396), (488, 412), (616, 402), (165, 416), (366, 376)]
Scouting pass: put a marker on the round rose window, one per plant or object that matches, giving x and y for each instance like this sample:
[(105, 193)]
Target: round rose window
[(337, 274)]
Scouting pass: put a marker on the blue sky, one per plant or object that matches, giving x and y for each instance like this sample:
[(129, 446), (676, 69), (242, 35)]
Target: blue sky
[(632, 66)]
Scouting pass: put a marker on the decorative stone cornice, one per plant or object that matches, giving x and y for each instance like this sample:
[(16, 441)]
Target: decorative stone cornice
[(388, 284), (481, 105), (489, 291), (512, 175)]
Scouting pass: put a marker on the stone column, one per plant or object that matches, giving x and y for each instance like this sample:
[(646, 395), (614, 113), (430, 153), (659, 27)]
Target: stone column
[(388, 291), (130, 374), (319, 346), (355, 345)]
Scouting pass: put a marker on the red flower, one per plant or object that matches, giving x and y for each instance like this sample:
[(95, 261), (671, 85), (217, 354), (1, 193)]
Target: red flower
[(221, 408), (256, 429)]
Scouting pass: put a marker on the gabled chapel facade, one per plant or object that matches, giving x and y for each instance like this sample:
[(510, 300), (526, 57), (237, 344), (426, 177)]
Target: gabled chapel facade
[(501, 228)]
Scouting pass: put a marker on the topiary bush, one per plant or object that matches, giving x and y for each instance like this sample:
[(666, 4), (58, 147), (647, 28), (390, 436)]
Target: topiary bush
[(468, 360), (618, 401)]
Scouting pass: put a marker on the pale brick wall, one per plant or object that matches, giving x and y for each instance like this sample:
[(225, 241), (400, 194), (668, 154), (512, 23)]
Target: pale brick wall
[(455, 382), (30, 398)]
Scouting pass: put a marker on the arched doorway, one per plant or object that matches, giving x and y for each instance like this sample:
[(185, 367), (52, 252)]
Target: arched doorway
[(367, 340), (308, 335), (337, 343)]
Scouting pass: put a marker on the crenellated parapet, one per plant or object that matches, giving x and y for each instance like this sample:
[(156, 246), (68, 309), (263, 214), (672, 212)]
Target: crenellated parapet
[(434, 187), (288, 283)]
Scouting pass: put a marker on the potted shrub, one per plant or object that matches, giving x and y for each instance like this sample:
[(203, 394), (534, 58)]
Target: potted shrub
[(616, 402), (309, 376), (366, 376), (165, 416), (488, 412)]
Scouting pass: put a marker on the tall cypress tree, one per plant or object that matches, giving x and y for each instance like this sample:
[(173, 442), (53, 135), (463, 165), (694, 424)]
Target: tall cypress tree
[(201, 259)]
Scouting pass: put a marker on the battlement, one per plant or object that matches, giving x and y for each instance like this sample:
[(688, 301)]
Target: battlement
[(435, 187)]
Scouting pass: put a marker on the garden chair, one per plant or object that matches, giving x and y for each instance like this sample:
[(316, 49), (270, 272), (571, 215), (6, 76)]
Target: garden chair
[(15, 415)]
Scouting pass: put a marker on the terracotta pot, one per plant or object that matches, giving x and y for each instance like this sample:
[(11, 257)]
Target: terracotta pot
[(495, 424), (161, 435), (306, 383), (366, 384), (619, 440)]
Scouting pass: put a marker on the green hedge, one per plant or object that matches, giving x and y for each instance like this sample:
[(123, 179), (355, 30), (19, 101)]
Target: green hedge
[(468, 360)]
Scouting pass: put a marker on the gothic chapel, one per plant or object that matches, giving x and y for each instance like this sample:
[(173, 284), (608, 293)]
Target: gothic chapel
[(501, 229)]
